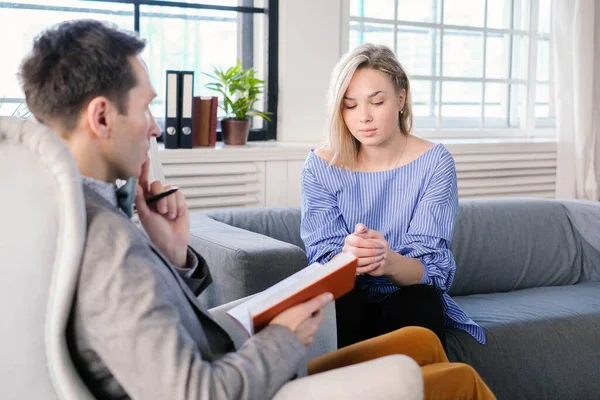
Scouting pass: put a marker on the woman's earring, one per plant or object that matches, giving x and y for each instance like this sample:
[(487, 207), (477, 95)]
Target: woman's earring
[(402, 111)]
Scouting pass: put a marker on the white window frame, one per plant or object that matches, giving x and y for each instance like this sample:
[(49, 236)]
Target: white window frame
[(252, 39), (527, 129)]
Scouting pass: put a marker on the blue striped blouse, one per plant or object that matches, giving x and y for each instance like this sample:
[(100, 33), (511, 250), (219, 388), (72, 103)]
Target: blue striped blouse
[(413, 206)]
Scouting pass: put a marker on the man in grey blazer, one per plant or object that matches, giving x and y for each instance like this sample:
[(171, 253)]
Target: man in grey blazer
[(136, 329)]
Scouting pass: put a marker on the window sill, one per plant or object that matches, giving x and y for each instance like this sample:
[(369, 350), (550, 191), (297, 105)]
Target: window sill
[(297, 151), (270, 150)]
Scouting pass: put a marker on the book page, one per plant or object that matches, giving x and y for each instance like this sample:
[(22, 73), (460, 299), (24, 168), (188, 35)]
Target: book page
[(241, 314)]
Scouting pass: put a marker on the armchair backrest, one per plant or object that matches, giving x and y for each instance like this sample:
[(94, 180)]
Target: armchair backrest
[(42, 234)]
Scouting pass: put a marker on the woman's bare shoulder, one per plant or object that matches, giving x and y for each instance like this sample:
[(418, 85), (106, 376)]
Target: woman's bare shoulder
[(421, 146), (323, 153)]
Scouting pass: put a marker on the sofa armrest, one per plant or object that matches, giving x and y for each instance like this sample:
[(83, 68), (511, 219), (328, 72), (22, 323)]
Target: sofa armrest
[(241, 262)]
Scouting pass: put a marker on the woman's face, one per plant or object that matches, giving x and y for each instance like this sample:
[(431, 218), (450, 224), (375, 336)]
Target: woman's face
[(371, 107)]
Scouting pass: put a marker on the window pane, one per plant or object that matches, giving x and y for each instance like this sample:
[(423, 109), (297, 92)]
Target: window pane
[(544, 106), (462, 94), (15, 107), (362, 32), (187, 39), (496, 105), (541, 111), (418, 50), (40, 16), (520, 57), (521, 15), (502, 49), (544, 16), (382, 9), (420, 11), (424, 108), (497, 56), (464, 12), (463, 54), (517, 105), (543, 60), (461, 104), (260, 60), (499, 14), (215, 2), (541, 94), (421, 97)]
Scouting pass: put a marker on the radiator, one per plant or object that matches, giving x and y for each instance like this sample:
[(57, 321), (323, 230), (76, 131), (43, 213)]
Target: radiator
[(271, 177), (218, 185), (506, 170)]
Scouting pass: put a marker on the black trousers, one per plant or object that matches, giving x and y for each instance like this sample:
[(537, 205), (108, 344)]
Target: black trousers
[(415, 305)]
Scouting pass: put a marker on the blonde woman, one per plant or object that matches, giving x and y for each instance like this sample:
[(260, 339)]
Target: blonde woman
[(391, 199), (388, 197)]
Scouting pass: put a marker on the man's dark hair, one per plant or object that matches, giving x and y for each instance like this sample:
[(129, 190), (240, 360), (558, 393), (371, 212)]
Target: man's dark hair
[(74, 62)]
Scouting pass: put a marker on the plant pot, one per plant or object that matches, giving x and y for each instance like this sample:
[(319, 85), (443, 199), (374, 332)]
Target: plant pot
[(235, 131)]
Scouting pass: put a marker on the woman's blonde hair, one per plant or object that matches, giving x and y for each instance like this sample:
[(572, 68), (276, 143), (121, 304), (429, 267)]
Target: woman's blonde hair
[(341, 145)]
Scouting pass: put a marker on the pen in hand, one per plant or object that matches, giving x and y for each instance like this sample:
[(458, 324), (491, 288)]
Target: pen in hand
[(159, 196)]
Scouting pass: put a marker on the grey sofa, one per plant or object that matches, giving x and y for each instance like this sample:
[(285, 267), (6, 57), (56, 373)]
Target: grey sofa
[(528, 271)]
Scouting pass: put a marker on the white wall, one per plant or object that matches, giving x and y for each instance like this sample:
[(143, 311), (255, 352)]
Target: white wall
[(309, 47)]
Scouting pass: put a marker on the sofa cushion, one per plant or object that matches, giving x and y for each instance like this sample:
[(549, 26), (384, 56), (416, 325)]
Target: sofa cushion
[(533, 337), (502, 245), (281, 223)]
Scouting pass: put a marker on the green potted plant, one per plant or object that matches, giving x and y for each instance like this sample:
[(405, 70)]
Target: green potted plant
[(240, 90)]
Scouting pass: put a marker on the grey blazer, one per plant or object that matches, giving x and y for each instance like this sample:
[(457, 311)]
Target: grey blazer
[(137, 331)]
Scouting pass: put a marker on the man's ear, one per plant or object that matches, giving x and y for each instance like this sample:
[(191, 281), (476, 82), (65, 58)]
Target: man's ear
[(100, 115)]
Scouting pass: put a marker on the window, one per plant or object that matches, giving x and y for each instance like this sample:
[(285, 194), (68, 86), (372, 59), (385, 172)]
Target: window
[(477, 68), (195, 35)]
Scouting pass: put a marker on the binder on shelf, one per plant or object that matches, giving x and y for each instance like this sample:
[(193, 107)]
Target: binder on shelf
[(212, 134), (196, 122), (205, 121), (186, 85), (172, 107)]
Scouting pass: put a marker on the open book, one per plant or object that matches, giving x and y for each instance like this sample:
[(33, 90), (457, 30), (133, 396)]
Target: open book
[(337, 277)]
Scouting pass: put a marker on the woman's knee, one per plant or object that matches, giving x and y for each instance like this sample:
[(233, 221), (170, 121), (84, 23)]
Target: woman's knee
[(465, 372), (418, 334)]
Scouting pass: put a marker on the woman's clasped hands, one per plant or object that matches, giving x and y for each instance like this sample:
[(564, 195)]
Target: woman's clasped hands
[(371, 249)]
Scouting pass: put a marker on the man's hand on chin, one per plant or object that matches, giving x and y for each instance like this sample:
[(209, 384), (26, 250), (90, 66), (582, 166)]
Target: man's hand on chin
[(166, 221)]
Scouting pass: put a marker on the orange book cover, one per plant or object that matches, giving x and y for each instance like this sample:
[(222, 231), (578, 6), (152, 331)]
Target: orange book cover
[(337, 277)]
